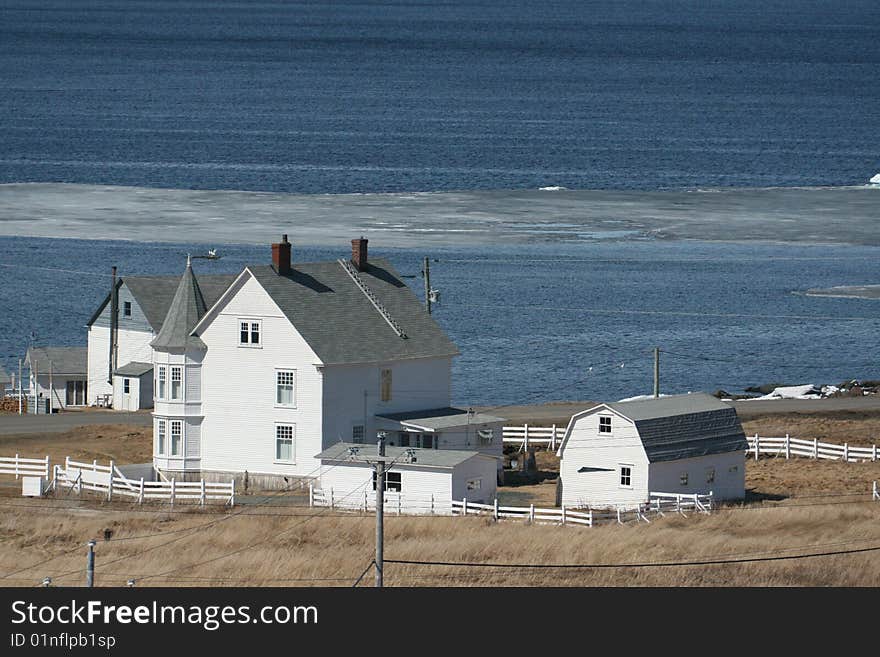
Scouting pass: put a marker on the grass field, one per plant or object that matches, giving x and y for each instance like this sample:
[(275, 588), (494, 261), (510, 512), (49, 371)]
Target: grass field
[(794, 507)]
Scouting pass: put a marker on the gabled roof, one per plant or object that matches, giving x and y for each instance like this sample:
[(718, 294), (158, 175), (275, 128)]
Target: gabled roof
[(339, 322), (678, 426), (424, 458), (187, 308), (440, 418), (154, 294), (134, 369), (64, 360)]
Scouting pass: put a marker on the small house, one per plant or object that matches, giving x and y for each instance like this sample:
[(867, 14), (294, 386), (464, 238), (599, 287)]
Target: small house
[(133, 387), (615, 455), (59, 374), (422, 480)]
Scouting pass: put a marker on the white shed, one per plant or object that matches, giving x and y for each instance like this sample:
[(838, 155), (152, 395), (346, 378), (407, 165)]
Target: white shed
[(133, 387), (416, 477), (617, 454)]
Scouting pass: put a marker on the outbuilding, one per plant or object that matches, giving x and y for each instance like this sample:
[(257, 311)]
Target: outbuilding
[(59, 374), (421, 480), (133, 387), (616, 454)]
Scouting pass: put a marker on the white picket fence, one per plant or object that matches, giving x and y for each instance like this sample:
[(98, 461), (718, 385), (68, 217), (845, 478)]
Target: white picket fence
[(787, 446), (21, 467), (526, 436), (394, 503), (110, 482), (529, 513)]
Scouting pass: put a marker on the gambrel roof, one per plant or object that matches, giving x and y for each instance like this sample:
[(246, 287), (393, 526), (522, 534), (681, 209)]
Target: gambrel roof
[(341, 325), (678, 426)]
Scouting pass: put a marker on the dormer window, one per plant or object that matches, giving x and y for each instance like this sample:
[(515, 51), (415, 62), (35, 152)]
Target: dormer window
[(604, 424), (249, 332)]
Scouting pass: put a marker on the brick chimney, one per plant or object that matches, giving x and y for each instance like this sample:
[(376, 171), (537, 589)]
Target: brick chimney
[(359, 253), (281, 256)]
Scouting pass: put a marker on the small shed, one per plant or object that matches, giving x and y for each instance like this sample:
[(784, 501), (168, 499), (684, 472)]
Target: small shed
[(617, 454), (59, 374), (415, 476), (133, 387)]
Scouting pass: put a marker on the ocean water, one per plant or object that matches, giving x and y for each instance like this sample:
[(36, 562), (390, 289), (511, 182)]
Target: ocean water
[(539, 322), (319, 97)]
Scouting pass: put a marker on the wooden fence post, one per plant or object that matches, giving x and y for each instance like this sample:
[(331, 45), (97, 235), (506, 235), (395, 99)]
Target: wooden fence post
[(173, 491), (553, 439), (619, 522), (874, 455), (232, 492), (432, 504), (757, 446), (202, 493), (464, 506), (110, 487), (47, 466), (398, 503), (590, 519), (16, 466), (141, 495), (365, 500), (331, 497), (846, 452), (311, 495), (815, 448), (526, 438), (787, 447), (531, 513), (495, 512), (563, 514)]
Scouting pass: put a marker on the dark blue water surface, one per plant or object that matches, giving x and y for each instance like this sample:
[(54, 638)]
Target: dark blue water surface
[(386, 96), (531, 321)]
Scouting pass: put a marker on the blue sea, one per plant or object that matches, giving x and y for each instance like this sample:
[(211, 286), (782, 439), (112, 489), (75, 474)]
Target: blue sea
[(326, 99)]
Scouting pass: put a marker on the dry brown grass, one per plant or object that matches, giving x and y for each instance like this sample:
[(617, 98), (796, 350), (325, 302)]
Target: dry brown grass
[(122, 443)]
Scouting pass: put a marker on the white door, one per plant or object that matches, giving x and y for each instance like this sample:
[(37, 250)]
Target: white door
[(126, 394)]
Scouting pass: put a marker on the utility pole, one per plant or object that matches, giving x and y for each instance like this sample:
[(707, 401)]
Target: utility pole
[(656, 372), (114, 302), (380, 512), (90, 565), (426, 271)]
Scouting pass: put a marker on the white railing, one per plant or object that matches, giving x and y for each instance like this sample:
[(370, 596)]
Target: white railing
[(529, 513), (526, 436), (679, 502), (394, 503), (109, 481), (787, 446), (21, 467)]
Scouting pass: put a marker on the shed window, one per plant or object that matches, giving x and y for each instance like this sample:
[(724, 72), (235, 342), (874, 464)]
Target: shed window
[(284, 442), (126, 386), (604, 424), (284, 388), (683, 480), (126, 308), (392, 482), (357, 433), (160, 383), (385, 386), (626, 475), (176, 383), (176, 437), (474, 484)]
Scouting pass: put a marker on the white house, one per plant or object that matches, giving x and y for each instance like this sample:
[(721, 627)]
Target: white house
[(417, 480), (141, 306), (293, 358), (616, 454), (59, 374)]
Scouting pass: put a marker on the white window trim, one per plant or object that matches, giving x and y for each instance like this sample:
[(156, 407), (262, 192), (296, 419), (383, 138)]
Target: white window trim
[(158, 387), (161, 446), (610, 426), (169, 383), (171, 453), (275, 458), (249, 320), (295, 386), (620, 467)]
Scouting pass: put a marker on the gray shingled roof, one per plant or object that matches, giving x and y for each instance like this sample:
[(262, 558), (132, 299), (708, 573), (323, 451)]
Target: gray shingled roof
[(684, 426), (154, 294), (134, 368), (5, 377), (341, 325), (64, 360), (440, 418), (426, 458), (187, 308)]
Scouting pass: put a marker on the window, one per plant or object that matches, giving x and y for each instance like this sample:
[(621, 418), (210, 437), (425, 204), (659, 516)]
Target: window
[(733, 468), (486, 436), (625, 475), (683, 480), (385, 386), (710, 476), (392, 482), (284, 442), (357, 433), (160, 383), (474, 484), (126, 308), (126, 386), (604, 424), (176, 383), (426, 441), (176, 437), (249, 332), (160, 436), (284, 388), (404, 439)]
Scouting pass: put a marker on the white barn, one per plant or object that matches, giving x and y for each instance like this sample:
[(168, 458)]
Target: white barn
[(295, 357), (417, 477), (616, 454)]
